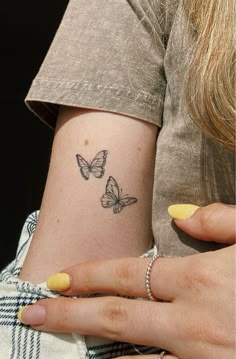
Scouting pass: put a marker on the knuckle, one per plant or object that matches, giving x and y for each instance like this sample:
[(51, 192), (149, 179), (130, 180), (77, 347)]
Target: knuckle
[(210, 215), (193, 331), (196, 331), (126, 274), (114, 318), (87, 275), (221, 337), (208, 331), (200, 275)]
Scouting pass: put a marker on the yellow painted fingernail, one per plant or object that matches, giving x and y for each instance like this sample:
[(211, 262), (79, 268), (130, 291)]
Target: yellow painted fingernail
[(19, 314), (59, 282), (182, 211)]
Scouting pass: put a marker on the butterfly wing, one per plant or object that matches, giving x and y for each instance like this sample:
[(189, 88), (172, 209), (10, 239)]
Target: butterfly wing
[(123, 202), (84, 166), (98, 163), (112, 187), (111, 197), (108, 200)]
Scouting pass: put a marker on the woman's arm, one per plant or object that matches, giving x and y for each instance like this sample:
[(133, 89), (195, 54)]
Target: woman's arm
[(75, 225)]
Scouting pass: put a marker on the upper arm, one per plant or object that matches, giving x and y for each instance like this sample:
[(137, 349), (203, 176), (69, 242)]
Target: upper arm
[(88, 215), (128, 157)]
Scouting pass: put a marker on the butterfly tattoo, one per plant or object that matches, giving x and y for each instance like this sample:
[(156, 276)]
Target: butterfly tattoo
[(113, 197), (96, 166)]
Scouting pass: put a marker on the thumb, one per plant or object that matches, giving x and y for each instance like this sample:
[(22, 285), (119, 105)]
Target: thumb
[(215, 222)]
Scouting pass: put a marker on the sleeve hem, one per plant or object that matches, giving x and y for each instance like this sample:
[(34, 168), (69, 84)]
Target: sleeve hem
[(45, 96)]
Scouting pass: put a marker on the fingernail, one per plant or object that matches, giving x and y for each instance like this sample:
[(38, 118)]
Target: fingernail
[(182, 211), (19, 314), (32, 315), (59, 282)]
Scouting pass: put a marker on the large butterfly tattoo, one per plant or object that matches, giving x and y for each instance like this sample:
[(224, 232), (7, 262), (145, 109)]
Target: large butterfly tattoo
[(96, 166), (113, 197)]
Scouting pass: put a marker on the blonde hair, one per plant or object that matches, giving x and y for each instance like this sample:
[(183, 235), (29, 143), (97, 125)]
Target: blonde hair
[(210, 85)]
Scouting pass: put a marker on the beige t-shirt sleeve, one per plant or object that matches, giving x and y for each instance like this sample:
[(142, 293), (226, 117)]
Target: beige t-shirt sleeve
[(105, 55)]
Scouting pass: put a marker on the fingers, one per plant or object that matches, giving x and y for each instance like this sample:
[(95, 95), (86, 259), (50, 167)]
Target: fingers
[(125, 276), (215, 222), (110, 317)]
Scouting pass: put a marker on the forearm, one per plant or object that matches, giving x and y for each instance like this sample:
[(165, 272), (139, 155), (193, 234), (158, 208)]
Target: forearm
[(73, 224)]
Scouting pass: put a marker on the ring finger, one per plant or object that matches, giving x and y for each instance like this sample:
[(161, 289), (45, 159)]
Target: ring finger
[(125, 276)]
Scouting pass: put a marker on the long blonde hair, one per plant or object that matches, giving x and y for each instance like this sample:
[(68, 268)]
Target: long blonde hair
[(210, 89)]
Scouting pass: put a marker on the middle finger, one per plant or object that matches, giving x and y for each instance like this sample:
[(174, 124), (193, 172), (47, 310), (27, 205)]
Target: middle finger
[(109, 317)]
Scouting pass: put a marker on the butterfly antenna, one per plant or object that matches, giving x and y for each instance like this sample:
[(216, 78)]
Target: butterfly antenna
[(126, 195)]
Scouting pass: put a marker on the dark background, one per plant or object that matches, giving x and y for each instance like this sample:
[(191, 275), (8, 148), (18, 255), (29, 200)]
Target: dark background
[(27, 29)]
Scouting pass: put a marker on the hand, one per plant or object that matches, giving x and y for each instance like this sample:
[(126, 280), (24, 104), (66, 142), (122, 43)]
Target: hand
[(196, 318)]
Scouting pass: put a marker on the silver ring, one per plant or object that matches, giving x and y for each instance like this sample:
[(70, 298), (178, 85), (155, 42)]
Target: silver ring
[(161, 355), (148, 277)]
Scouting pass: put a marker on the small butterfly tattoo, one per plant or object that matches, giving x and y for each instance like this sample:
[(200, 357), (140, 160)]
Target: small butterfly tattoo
[(113, 197), (96, 166)]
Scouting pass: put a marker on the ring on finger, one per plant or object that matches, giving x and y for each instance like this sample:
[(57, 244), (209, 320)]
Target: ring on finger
[(148, 278)]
